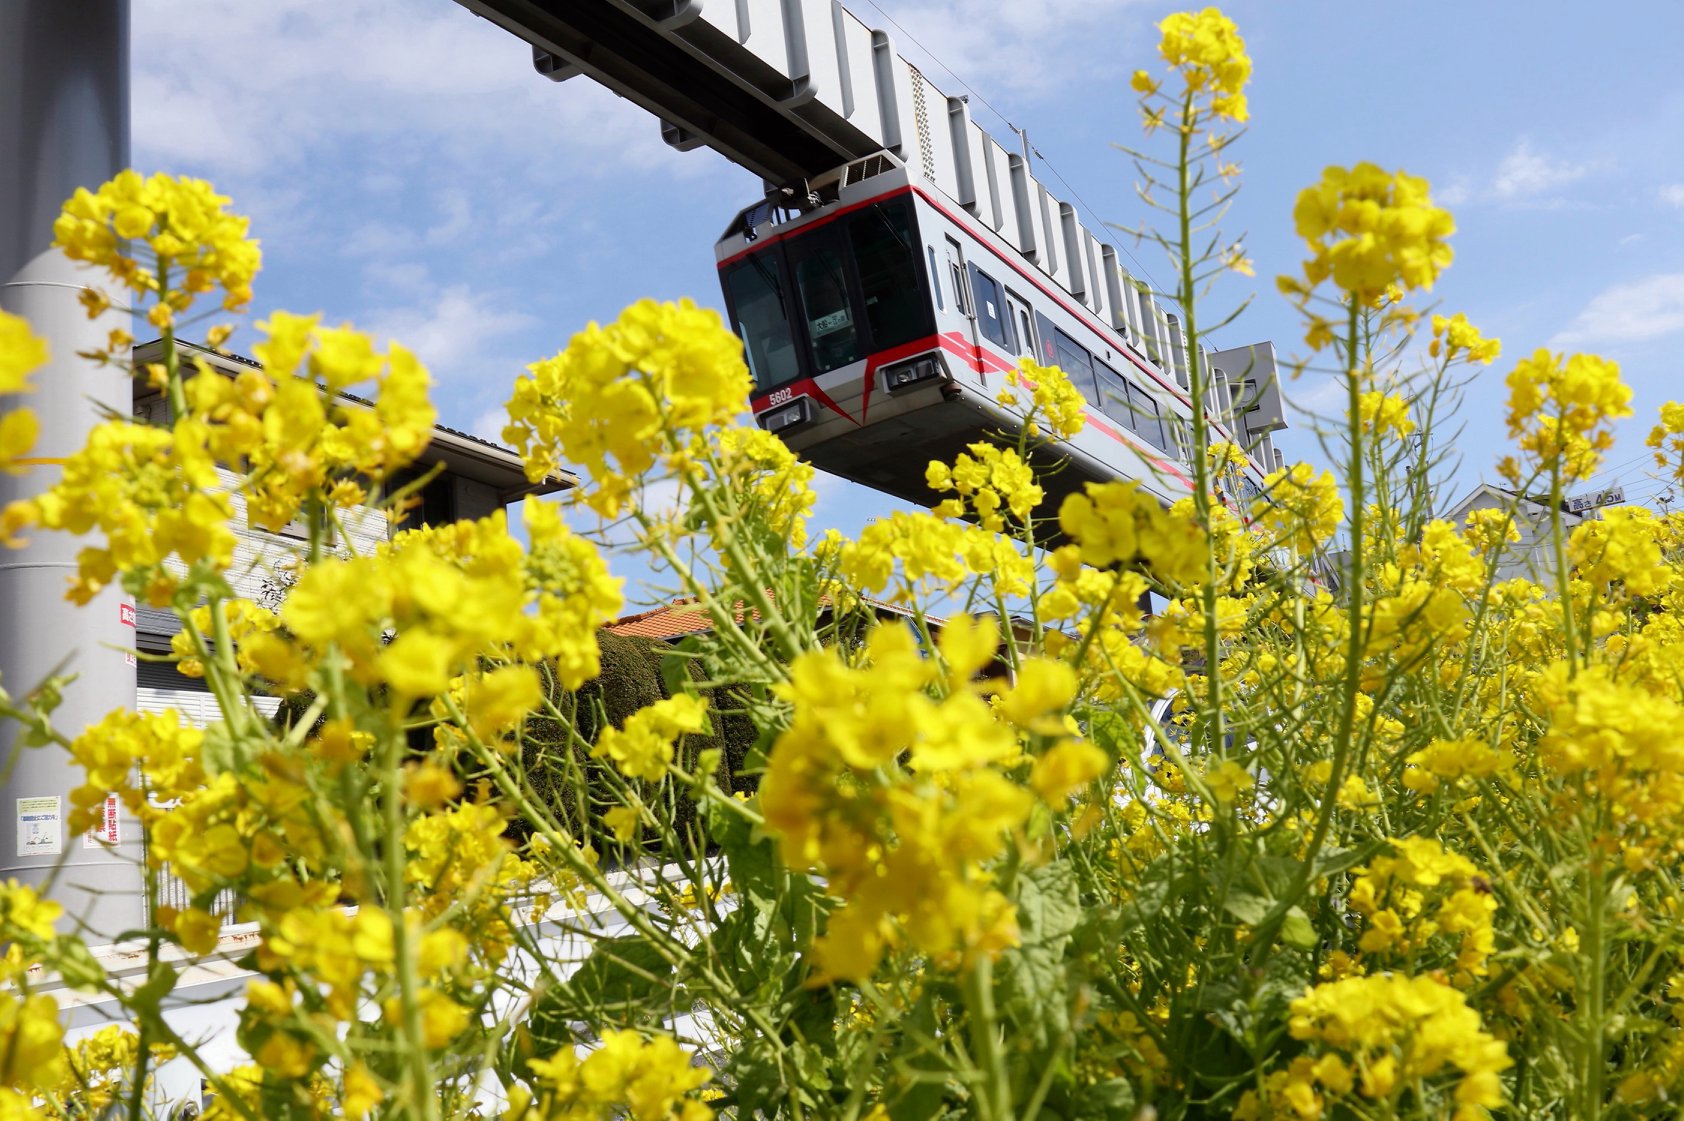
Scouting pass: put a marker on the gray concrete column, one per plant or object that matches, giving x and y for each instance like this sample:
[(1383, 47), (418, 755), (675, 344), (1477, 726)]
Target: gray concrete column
[(64, 123)]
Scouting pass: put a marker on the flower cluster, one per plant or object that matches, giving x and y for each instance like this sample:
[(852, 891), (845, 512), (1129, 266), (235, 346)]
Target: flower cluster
[(986, 479), (930, 548), (1379, 1038), (621, 397), (1417, 893), (1120, 524), (643, 747), (1052, 398), (1369, 229), (1454, 335), (21, 352), (1668, 437), (1205, 48), (453, 595), (628, 1075), (1300, 507), (901, 797), (1561, 411), (1381, 413), (195, 243)]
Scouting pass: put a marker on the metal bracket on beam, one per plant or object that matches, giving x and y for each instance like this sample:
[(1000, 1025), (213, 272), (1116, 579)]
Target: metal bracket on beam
[(553, 66)]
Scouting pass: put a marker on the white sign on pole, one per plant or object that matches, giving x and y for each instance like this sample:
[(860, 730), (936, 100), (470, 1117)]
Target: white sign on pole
[(1595, 499), (104, 830), (40, 826)]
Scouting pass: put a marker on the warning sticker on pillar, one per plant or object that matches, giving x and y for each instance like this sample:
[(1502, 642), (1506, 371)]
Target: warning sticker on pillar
[(40, 826), (125, 616), (104, 831)]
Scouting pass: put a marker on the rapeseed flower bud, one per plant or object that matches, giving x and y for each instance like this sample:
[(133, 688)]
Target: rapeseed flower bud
[(1455, 334), (1205, 48), (1301, 507), (195, 243), (620, 397), (1369, 230), (1561, 410)]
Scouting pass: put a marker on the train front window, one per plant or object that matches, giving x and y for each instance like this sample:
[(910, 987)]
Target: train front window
[(832, 329), (760, 314), (886, 255)]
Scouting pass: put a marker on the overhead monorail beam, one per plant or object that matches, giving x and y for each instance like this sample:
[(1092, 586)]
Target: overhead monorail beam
[(706, 86)]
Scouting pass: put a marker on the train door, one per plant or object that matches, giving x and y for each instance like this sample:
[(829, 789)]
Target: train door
[(959, 282), (1023, 327)]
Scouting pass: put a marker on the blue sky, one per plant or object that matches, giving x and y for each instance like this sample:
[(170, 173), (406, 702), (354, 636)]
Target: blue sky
[(408, 172)]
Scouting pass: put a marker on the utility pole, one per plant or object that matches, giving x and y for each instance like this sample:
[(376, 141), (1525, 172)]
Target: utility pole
[(64, 123)]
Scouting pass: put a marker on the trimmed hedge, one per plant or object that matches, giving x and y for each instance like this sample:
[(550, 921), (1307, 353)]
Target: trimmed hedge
[(578, 788)]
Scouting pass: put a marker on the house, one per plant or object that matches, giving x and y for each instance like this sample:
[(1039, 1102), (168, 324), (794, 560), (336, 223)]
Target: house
[(1532, 557)]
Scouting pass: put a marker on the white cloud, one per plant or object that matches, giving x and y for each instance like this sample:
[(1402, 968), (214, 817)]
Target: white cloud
[(457, 222), (396, 277), (407, 84), (1673, 195), (453, 330), (1316, 395), (1526, 174), (1523, 177), (989, 44), (1458, 192), (1637, 311), (488, 425)]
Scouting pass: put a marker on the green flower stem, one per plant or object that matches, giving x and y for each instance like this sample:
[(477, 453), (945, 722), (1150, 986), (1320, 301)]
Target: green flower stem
[(1563, 590), (421, 1082), (1187, 297), (994, 1092), (1269, 929)]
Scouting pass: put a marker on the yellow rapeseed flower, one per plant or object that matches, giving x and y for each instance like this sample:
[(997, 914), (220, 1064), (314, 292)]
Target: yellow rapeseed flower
[(1369, 230)]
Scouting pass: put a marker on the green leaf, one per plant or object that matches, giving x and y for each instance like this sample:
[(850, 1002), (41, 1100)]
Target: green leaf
[(675, 667), (1297, 930), (160, 982), (752, 862), (1246, 907), (1034, 978), (1333, 861), (1111, 1100), (625, 978)]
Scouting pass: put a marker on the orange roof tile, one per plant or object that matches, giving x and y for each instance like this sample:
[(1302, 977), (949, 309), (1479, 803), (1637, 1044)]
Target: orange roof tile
[(683, 616)]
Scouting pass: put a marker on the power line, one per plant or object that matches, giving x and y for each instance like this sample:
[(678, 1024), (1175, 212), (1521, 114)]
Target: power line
[(1102, 224), (1645, 457)]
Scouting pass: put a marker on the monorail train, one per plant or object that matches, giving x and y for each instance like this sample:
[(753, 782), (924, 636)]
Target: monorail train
[(879, 320)]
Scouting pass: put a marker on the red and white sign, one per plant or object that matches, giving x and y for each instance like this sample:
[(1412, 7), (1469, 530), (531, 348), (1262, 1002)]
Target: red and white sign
[(104, 831), (125, 614)]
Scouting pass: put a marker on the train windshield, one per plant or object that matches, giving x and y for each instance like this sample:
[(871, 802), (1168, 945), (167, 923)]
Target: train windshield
[(757, 295), (830, 295)]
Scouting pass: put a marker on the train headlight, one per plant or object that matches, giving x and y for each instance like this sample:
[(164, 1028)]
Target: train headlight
[(787, 416), (912, 373)]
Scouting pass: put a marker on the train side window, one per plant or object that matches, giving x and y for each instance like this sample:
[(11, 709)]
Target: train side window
[(992, 315), (832, 332), (886, 258), (1114, 395), (1148, 420), (935, 278), (1077, 365), (755, 290), (956, 274)]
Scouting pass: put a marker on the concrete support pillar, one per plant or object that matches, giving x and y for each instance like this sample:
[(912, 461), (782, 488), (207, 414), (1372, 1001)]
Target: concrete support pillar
[(64, 123)]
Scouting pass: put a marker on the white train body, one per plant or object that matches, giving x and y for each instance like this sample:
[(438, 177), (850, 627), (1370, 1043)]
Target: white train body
[(881, 319)]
